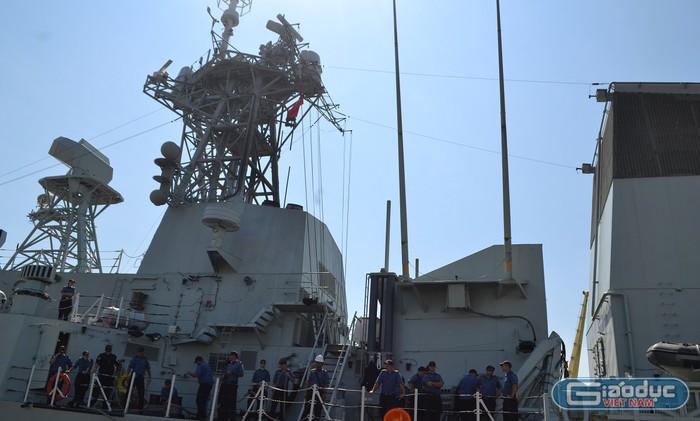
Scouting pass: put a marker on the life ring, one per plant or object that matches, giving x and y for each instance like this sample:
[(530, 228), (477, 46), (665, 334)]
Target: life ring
[(397, 414), (64, 390), (123, 384)]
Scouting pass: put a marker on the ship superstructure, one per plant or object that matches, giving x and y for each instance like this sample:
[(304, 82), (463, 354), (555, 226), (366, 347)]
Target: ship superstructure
[(643, 243), (230, 266)]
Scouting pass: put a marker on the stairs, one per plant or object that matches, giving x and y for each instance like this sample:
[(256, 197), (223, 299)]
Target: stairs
[(265, 317)]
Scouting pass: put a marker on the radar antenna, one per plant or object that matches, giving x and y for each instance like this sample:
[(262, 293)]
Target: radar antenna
[(64, 235), (238, 111)]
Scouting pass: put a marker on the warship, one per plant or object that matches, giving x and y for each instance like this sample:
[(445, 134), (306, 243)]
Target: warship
[(233, 267)]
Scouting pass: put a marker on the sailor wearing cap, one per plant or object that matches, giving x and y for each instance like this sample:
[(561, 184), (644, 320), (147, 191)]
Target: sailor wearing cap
[(106, 366), (65, 306), (391, 383), (228, 393), (510, 389), (432, 384), (205, 378), (319, 378), (260, 375), (416, 383), (59, 361), (281, 379), (82, 380), (490, 388), (142, 368)]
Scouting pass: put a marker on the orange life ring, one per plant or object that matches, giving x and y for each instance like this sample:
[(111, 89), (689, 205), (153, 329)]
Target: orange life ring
[(64, 390), (397, 414)]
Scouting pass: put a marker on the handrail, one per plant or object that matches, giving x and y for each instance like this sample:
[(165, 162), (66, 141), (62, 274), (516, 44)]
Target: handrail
[(97, 303), (340, 364)]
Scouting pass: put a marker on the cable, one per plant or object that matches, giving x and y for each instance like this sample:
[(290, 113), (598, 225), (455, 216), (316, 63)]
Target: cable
[(451, 142), (549, 82), (100, 149)]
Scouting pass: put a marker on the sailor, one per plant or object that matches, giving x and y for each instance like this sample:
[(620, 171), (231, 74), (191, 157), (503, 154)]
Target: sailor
[(260, 375), (510, 389), (205, 378), (466, 401), (139, 364), (391, 383), (65, 306), (319, 378), (83, 366), (106, 366), (165, 392), (490, 387), (416, 384), (280, 383), (432, 384), (62, 361), (229, 388)]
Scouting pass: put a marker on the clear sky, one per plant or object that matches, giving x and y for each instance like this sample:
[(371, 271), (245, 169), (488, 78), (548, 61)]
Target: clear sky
[(77, 69)]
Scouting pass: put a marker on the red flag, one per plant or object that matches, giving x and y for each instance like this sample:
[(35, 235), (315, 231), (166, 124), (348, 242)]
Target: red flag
[(294, 110)]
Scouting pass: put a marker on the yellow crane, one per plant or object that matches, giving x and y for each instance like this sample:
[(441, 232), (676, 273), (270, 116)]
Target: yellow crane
[(578, 339)]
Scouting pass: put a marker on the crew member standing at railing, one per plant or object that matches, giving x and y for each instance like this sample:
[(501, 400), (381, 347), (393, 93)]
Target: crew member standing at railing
[(228, 393), (318, 377), (416, 384), (432, 383), (82, 380), (65, 306), (205, 378), (280, 382), (62, 361), (391, 383), (490, 387), (107, 366), (139, 364), (260, 375), (510, 389), (466, 401)]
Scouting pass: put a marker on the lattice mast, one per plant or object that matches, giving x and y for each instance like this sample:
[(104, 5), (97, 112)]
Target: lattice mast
[(64, 234), (238, 111)]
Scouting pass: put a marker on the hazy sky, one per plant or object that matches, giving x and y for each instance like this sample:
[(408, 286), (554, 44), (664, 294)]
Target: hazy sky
[(77, 69)]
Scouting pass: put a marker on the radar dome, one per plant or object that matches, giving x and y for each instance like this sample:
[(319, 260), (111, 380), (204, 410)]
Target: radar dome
[(170, 151), (230, 18), (310, 56), (159, 198)]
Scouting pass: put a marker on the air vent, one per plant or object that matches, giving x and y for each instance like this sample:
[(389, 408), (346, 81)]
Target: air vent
[(38, 272)]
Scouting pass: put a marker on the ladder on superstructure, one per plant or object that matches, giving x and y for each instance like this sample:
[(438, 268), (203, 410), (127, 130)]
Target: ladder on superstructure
[(340, 364)]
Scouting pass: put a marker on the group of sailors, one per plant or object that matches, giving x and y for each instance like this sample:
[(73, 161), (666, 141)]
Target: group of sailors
[(428, 384)]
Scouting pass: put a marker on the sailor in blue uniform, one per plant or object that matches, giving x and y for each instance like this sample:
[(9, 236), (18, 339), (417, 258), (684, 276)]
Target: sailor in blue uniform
[(319, 377), (228, 394), (139, 364), (392, 387), (510, 389)]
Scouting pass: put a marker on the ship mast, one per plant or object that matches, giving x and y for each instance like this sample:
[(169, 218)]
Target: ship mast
[(402, 176), (238, 111), (508, 263)]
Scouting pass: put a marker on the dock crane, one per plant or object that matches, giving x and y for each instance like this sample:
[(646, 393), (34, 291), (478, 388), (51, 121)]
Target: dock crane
[(578, 340)]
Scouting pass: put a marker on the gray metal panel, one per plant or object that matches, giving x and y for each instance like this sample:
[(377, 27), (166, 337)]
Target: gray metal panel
[(649, 268), (656, 135)]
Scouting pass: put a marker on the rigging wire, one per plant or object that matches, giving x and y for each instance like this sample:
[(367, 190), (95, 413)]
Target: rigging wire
[(478, 148), (495, 79), (91, 137), (100, 149)]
